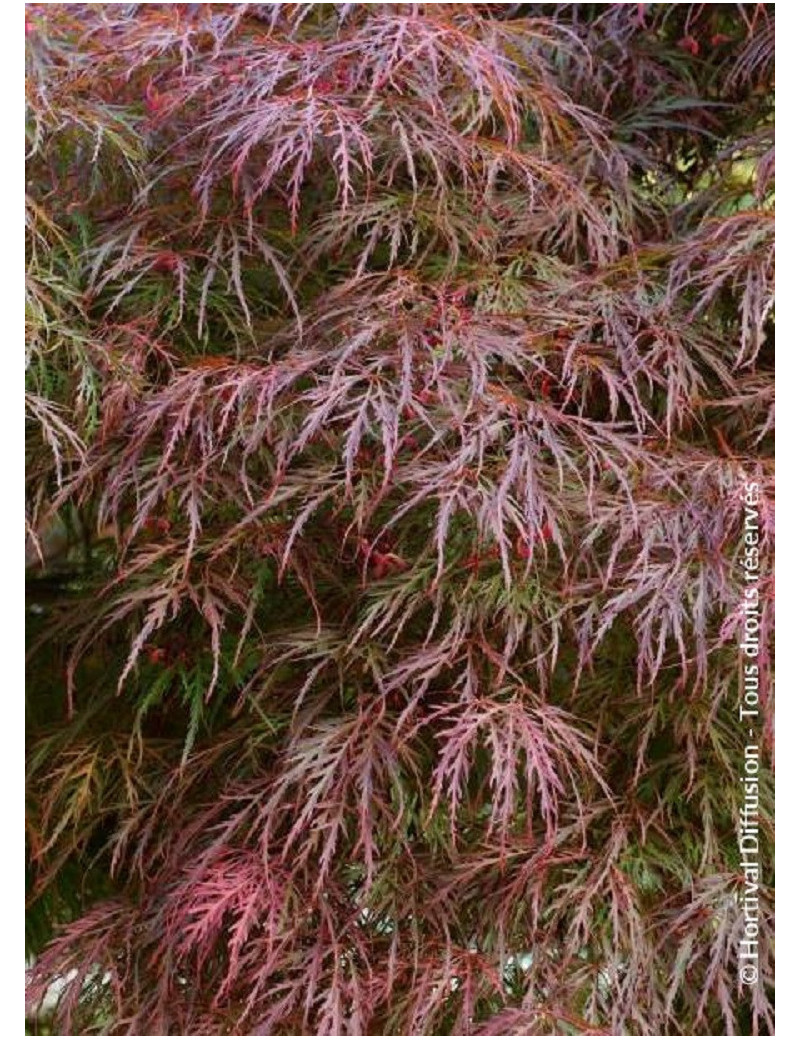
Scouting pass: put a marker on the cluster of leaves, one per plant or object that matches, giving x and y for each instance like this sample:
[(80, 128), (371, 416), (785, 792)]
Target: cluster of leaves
[(393, 374)]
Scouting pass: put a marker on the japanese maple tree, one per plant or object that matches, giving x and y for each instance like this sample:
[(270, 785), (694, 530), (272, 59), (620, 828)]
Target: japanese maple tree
[(393, 374)]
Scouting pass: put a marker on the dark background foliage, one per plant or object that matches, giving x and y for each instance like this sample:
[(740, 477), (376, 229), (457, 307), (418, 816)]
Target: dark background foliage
[(392, 375)]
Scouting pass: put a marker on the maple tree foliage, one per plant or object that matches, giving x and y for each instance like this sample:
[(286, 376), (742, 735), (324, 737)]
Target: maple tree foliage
[(393, 372)]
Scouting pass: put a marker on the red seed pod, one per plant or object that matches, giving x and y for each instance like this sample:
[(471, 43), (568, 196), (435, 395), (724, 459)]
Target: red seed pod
[(473, 562), (386, 563), (165, 262), (690, 45), (153, 99)]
